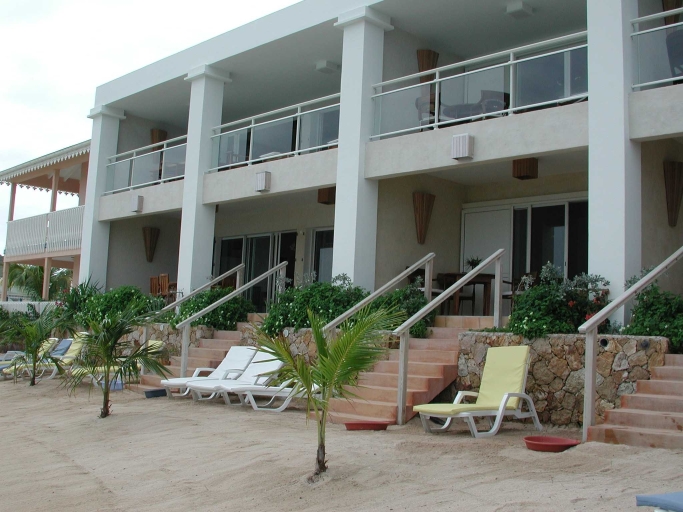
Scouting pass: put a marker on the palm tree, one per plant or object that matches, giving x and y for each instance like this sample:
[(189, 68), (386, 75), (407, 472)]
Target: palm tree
[(34, 334), (356, 348), (29, 278), (108, 355)]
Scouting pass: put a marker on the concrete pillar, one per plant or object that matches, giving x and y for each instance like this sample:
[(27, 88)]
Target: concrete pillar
[(47, 270), (614, 165), (5, 277), (83, 183), (198, 220), (355, 217), (12, 201), (95, 241), (55, 190)]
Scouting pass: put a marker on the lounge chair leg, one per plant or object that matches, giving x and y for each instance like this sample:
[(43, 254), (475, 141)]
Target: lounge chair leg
[(226, 398), (433, 430)]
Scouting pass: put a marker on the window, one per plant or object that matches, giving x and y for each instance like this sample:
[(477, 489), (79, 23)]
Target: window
[(322, 255)]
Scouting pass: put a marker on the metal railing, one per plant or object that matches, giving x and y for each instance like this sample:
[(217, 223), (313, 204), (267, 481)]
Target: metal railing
[(403, 331), (273, 135), (590, 329), (148, 165), (185, 324), (658, 60), (427, 262), (49, 232), (502, 83)]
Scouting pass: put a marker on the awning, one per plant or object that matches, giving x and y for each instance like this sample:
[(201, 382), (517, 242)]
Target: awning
[(45, 161)]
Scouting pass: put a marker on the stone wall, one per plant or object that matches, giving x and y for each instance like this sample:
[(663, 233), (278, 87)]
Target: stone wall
[(556, 373), (172, 338)]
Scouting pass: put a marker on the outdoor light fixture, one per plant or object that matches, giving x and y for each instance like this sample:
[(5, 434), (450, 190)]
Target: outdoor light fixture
[(462, 146), (327, 67), (136, 204), (519, 9), (263, 181)]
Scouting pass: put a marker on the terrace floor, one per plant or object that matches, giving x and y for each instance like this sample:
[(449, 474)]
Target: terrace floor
[(158, 454)]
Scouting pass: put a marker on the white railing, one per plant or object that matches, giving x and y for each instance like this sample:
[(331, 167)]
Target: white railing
[(149, 165), (22, 306), (658, 49), (427, 262), (46, 233), (590, 329), (403, 331), (303, 128), (185, 324), (503, 83)]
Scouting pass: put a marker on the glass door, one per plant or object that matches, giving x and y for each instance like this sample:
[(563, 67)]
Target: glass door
[(259, 259), (322, 255), (232, 254)]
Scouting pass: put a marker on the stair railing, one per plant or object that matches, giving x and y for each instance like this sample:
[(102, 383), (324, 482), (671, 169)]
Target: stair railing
[(427, 262), (590, 329), (239, 270), (404, 330), (185, 324)]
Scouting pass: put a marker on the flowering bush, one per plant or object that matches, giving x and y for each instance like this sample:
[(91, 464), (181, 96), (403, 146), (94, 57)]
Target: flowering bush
[(224, 317), (557, 305)]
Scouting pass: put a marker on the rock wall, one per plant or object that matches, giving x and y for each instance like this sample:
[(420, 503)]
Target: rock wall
[(172, 338), (556, 373)]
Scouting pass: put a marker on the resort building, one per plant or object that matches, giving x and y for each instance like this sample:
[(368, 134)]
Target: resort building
[(355, 136)]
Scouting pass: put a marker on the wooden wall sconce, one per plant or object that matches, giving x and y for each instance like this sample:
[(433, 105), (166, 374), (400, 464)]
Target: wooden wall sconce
[(422, 206), (151, 237), (673, 184), (426, 60), (327, 195), (525, 168)]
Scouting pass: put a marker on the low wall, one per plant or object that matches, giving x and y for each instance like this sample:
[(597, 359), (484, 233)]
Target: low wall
[(556, 373), (172, 338)]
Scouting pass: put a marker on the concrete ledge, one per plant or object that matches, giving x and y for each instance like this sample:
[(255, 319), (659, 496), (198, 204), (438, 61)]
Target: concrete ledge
[(656, 113), (165, 197)]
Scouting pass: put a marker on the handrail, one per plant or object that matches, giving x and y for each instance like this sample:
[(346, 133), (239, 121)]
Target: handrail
[(404, 329), (240, 276), (427, 261), (143, 148), (656, 16), (185, 324), (590, 329)]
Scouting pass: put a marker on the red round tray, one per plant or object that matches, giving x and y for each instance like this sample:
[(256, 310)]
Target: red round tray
[(367, 425), (549, 444)]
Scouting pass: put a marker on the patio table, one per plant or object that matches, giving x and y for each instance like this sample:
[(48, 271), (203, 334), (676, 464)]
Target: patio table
[(480, 279)]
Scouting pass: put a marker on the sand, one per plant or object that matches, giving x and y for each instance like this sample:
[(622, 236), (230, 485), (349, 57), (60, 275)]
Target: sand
[(173, 455)]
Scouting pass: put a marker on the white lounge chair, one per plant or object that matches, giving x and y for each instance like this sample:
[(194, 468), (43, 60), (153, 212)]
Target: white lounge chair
[(259, 371), (501, 394), (248, 394), (236, 360)]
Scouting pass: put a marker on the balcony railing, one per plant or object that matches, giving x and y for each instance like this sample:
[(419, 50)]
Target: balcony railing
[(658, 47), (149, 165), (544, 74), (299, 129), (47, 233)]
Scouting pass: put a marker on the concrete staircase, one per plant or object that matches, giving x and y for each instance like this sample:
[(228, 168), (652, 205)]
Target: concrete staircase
[(432, 366), (653, 415)]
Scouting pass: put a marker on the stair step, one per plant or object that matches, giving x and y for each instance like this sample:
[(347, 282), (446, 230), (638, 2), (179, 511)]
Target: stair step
[(387, 394), (198, 362), (673, 359), (217, 344), (652, 438), (227, 335), (207, 353), (464, 322), (648, 402), (639, 418), (427, 356), (667, 373), (338, 418), (256, 318), (660, 387), (175, 370), (445, 333), (373, 408), (434, 344), (150, 380), (391, 380), (414, 368)]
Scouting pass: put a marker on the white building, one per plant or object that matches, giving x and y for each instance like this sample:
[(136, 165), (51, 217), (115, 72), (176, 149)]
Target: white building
[(233, 148)]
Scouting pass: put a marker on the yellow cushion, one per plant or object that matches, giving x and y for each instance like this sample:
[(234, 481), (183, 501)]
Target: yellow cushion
[(504, 372), (452, 409)]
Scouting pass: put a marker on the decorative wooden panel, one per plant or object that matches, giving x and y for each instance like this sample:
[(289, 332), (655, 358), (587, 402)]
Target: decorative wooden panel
[(673, 183), (327, 195), (151, 237), (426, 60), (422, 206), (668, 5), (525, 168)]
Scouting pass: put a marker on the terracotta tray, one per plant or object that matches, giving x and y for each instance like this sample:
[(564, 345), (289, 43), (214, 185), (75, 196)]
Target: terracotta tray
[(367, 425), (549, 444)]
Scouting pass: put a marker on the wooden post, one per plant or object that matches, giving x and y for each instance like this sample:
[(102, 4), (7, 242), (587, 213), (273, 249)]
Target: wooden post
[(184, 350), (12, 199), (5, 277), (47, 270), (498, 294), (589, 386), (402, 378), (55, 189)]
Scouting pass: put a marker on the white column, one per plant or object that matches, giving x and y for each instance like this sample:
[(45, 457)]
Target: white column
[(198, 220), (355, 217), (614, 201), (12, 201), (47, 270), (83, 183), (95, 241), (55, 191)]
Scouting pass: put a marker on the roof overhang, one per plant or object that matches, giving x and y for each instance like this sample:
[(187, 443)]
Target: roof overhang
[(45, 161)]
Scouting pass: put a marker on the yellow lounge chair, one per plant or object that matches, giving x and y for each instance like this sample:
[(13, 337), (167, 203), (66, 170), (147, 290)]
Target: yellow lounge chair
[(501, 393)]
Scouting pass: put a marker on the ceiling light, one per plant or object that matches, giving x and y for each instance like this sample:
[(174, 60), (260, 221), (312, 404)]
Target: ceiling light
[(519, 9)]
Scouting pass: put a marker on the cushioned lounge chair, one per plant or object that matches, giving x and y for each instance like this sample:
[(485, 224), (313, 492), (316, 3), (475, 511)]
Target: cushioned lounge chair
[(236, 360), (670, 502), (501, 394), (248, 394)]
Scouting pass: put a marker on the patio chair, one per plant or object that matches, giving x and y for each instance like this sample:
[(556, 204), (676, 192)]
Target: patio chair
[(248, 394), (669, 502), (232, 366), (7, 366), (501, 394), (261, 371)]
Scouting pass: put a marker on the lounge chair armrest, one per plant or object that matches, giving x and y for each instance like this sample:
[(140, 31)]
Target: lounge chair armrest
[(228, 371), (197, 371), (463, 394)]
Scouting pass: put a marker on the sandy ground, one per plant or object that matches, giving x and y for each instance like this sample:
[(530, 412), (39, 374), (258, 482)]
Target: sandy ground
[(173, 455)]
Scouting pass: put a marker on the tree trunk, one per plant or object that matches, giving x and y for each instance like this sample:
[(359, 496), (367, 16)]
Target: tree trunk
[(33, 373), (105, 396), (320, 466)]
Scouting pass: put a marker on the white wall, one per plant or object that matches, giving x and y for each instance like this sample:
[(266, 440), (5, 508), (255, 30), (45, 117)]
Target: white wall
[(135, 132), (512, 188), (127, 262)]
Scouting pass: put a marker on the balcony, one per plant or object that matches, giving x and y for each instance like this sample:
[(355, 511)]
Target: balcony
[(54, 232), (658, 48), (295, 130), (541, 75), (149, 165)]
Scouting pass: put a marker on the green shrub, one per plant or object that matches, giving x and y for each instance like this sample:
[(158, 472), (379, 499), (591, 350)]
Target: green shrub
[(658, 313), (72, 301), (409, 300), (557, 305), (326, 300), (98, 306), (10, 322), (223, 318)]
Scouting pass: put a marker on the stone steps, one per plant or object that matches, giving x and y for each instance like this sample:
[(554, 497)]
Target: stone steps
[(389, 394), (668, 373), (447, 333), (427, 356), (661, 403), (464, 322), (651, 438), (645, 419), (660, 387), (220, 344)]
